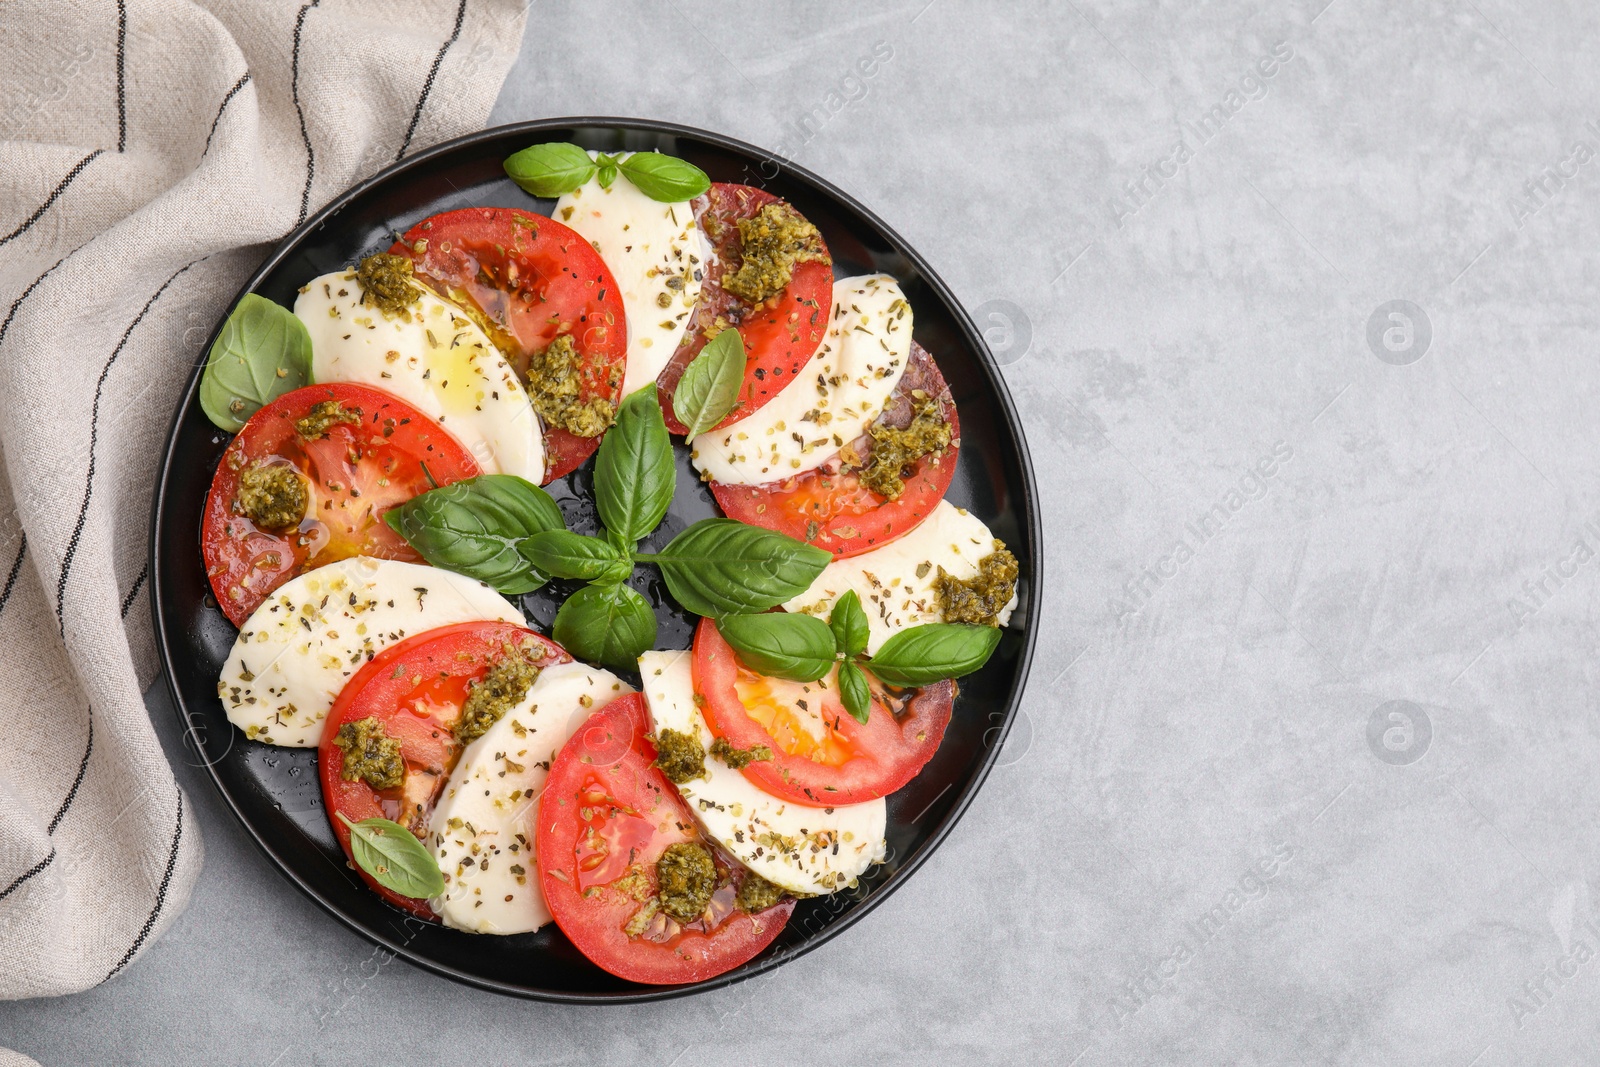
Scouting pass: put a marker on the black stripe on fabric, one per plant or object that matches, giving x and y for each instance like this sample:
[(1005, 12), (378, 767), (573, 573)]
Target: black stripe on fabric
[(29, 873), (427, 86), (6, 325), (161, 898), (94, 436), (83, 767), (122, 76), (54, 193), (226, 100), (138, 584), (294, 90), (16, 569)]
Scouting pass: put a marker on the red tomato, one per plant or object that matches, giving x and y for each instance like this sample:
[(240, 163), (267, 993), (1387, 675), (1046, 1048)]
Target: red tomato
[(606, 811), (830, 508), (849, 762), (415, 689), (780, 335), (530, 278), (354, 473)]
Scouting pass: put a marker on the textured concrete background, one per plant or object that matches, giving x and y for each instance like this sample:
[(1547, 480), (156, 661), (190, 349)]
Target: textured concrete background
[(1306, 774)]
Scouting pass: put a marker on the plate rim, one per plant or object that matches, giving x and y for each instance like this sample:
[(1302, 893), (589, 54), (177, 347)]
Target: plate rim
[(1029, 509)]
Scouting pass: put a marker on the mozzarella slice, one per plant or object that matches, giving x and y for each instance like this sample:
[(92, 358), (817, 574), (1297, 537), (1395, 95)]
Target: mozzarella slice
[(804, 850), (897, 582), (435, 359), (295, 653), (657, 254), (479, 832), (831, 402)]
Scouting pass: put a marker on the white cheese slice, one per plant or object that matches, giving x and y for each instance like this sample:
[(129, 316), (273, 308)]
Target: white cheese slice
[(481, 830), (435, 359), (297, 650), (804, 850), (838, 394), (657, 254), (897, 581)]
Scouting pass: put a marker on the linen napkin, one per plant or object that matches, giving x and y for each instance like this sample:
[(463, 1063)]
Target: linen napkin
[(151, 152)]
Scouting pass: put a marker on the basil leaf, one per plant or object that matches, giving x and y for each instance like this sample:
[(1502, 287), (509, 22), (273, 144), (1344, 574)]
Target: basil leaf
[(607, 623), (710, 384), (608, 174), (394, 857), (551, 169), (633, 473), (262, 352), (478, 527), (665, 178), (723, 567), (923, 655), (783, 644), (849, 624), (570, 555), (853, 690)]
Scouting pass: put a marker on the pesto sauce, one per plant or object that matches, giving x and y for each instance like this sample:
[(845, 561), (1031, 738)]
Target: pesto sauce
[(273, 497), (739, 758), (685, 879), (370, 754), (895, 451), (681, 757), (386, 283), (325, 414), (756, 894), (554, 386), (496, 693), (772, 242), (981, 598)]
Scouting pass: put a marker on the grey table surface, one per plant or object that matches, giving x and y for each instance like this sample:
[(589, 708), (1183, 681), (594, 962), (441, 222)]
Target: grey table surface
[(1305, 774)]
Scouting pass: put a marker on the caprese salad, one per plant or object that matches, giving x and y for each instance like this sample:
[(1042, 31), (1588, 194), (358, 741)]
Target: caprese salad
[(380, 509)]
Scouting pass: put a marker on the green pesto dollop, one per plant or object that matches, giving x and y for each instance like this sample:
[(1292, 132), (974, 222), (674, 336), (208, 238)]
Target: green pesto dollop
[(739, 758), (386, 283), (981, 598), (756, 894), (894, 450), (772, 242), (685, 879), (681, 756), (497, 692), (274, 497), (324, 415), (370, 754), (554, 386)]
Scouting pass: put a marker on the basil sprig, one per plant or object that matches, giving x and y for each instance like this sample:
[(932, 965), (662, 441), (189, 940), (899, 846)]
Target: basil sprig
[(262, 352), (394, 857), (509, 533), (710, 384), (803, 648), (549, 170), (481, 527)]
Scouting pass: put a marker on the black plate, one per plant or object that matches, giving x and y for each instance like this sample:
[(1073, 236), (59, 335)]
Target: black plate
[(275, 791)]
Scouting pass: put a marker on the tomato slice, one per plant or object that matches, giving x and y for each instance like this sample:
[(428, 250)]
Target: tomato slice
[(830, 508), (780, 335), (605, 818), (352, 474), (527, 278), (821, 757), (415, 690)]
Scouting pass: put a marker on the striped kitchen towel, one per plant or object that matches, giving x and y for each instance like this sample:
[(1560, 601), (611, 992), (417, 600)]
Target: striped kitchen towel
[(151, 152)]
